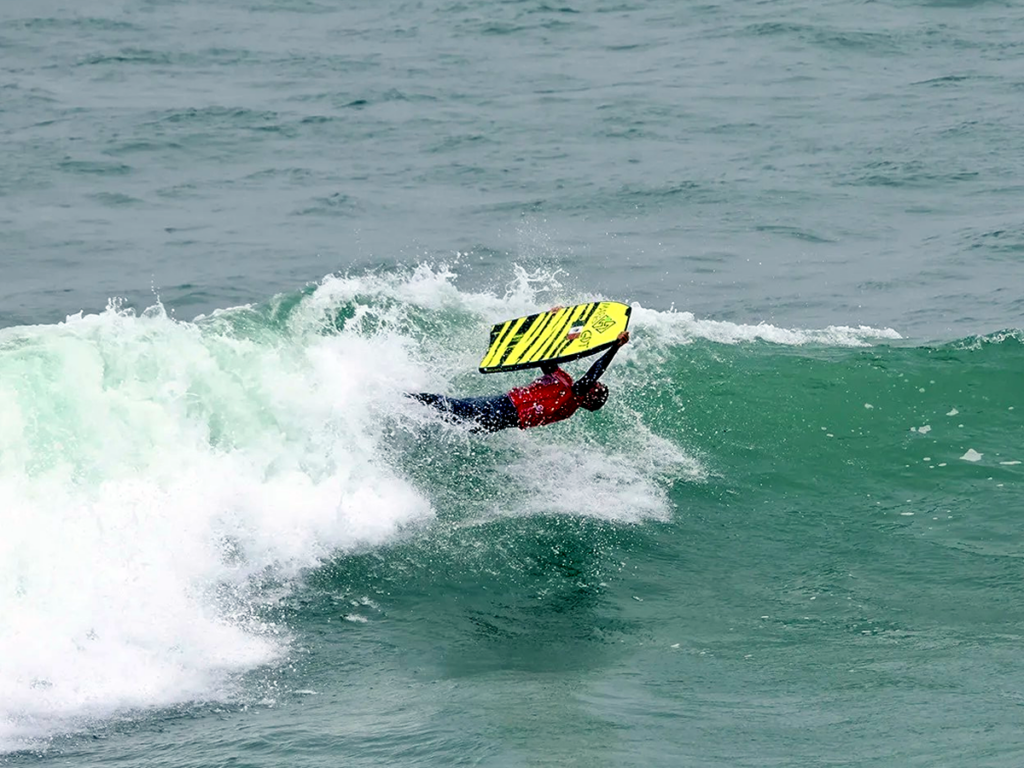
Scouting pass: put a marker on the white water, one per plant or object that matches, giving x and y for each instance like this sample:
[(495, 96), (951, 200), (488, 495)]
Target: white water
[(150, 474)]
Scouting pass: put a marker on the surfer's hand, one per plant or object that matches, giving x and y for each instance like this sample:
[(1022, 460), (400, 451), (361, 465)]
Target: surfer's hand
[(559, 308), (623, 338)]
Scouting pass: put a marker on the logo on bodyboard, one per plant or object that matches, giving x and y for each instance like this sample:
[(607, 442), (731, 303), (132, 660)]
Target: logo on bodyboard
[(581, 337), (603, 324)]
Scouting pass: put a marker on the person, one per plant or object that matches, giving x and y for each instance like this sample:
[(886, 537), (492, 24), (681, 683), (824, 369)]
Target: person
[(551, 398)]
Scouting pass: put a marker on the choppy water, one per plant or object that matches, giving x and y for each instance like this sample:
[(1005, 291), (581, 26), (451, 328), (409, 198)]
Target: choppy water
[(232, 234)]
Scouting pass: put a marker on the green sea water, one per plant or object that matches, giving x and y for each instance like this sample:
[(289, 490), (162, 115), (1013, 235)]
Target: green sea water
[(234, 234), (772, 545)]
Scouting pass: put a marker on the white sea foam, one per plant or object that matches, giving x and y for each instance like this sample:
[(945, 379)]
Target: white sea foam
[(150, 475), (625, 482), (684, 327), (434, 288)]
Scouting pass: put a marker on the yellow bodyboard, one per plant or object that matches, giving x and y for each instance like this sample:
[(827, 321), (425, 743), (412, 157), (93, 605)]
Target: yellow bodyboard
[(555, 337)]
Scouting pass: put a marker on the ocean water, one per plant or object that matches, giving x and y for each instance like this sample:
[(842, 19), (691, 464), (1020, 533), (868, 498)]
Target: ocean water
[(234, 233)]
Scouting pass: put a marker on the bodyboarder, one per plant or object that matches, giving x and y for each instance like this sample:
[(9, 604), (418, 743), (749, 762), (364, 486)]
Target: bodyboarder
[(551, 398)]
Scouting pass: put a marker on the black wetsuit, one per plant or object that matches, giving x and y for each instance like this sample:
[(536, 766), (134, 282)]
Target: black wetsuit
[(497, 412), (490, 413)]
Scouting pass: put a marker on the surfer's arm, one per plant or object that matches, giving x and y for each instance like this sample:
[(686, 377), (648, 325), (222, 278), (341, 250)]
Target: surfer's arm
[(589, 379)]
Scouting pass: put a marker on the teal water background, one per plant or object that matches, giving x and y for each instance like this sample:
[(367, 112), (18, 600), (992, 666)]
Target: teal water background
[(233, 233)]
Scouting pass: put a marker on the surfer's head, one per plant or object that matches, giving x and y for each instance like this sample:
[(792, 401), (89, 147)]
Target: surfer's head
[(596, 397)]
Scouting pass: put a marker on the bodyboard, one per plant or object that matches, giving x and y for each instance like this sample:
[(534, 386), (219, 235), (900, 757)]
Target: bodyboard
[(555, 337)]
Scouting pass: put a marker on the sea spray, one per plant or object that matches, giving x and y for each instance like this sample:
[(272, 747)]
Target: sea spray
[(151, 472)]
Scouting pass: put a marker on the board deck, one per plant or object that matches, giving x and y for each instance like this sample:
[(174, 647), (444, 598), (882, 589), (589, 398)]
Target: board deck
[(555, 337)]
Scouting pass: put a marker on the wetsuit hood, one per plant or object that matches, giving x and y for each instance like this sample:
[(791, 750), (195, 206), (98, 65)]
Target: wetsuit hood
[(595, 398)]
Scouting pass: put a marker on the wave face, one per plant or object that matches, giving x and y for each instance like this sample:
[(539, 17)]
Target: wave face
[(165, 485)]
